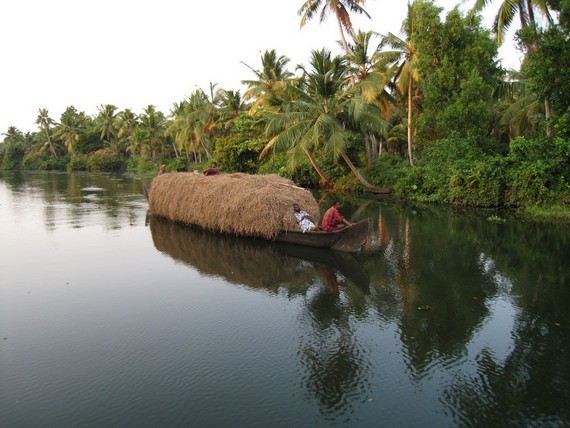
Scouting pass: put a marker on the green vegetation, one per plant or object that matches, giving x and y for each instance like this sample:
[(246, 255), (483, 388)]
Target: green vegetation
[(429, 114)]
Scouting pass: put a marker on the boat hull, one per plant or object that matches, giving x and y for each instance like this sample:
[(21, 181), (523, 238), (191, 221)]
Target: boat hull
[(350, 238)]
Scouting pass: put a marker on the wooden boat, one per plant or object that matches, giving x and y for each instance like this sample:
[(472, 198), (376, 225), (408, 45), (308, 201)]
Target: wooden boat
[(349, 238), (258, 206)]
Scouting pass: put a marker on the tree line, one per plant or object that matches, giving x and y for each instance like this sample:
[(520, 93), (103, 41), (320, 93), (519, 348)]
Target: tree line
[(428, 114)]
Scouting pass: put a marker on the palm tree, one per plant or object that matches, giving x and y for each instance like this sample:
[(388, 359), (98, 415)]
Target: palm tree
[(44, 122), (126, 122), (195, 122), (504, 18), (68, 135), (13, 134), (69, 128), (316, 118), (405, 57), (372, 77), (149, 135), (271, 80), (508, 11), (107, 122), (519, 116), (231, 104), (340, 8)]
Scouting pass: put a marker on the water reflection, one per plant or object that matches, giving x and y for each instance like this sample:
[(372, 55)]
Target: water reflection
[(333, 285), (77, 199), (255, 263), (477, 300), (442, 319)]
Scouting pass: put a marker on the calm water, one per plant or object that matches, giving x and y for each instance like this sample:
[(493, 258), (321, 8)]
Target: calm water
[(109, 317)]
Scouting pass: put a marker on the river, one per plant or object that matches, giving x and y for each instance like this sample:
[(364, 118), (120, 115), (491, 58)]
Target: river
[(112, 317)]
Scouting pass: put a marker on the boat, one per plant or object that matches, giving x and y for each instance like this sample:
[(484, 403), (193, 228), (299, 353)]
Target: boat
[(349, 238), (258, 206)]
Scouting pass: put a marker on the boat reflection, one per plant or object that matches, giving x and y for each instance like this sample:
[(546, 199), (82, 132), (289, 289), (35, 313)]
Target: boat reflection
[(255, 263)]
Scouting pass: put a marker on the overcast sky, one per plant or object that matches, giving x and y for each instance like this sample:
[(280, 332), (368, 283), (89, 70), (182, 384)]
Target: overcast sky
[(132, 53)]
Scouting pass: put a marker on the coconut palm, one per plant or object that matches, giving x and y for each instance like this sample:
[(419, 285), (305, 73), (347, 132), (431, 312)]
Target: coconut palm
[(72, 124), (523, 106), (405, 57), (13, 134), (149, 135), (195, 122), (509, 9), (271, 81), (525, 10), (231, 104), (372, 77), (126, 122), (317, 118), (341, 10), (45, 122), (106, 119)]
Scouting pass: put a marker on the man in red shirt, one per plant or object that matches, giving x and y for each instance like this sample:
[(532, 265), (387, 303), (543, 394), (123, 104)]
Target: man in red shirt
[(213, 170), (333, 220)]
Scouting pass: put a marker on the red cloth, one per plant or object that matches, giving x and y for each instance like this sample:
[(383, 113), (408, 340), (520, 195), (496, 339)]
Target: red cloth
[(331, 218)]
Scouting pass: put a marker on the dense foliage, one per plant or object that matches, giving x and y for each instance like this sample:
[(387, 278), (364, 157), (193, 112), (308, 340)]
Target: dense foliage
[(430, 114)]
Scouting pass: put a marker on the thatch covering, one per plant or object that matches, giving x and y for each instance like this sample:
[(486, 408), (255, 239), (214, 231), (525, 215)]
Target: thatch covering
[(239, 204)]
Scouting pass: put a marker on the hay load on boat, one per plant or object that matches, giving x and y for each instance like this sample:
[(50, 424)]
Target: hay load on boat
[(239, 204)]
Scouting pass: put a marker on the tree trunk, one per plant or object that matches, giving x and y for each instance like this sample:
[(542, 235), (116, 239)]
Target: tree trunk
[(316, 167), (376, 148), (368, 149), (345, 46), (175, 151), (547, 114), (208, 155), (361, 178), (410, 153), (50, 144)]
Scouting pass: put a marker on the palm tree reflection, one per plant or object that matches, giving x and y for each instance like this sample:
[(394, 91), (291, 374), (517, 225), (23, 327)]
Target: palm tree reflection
[(334, 366)]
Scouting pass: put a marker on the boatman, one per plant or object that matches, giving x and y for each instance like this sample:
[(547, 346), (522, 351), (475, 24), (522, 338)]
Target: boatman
[(333, 220), (304, 220)]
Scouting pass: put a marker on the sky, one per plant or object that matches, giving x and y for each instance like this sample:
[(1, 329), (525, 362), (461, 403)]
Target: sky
[(134, 53)]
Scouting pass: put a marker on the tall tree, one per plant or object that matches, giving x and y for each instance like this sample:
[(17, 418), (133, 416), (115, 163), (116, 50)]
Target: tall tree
[(525, 9), (456, 59), (231, 104), (372, 78), (341, 10), (521, 107), (149, 136), (72, 124), (317, 119), (509, 9), (404, 55), (45, 122), (271, 81), (13, 149), (195, 121), (106, 119), (126, 123)]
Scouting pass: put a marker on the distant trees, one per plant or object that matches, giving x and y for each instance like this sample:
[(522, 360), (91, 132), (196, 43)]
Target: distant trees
[(433, 94)]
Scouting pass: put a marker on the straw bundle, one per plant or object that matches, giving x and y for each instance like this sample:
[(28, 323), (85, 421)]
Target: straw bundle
[(239, 204)]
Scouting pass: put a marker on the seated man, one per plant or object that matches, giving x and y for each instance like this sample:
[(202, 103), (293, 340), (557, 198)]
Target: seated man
[(213, 170), (304, 219), (333, 220)]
